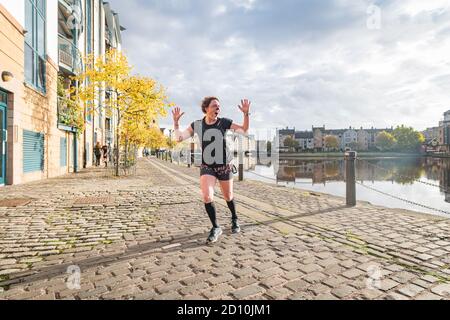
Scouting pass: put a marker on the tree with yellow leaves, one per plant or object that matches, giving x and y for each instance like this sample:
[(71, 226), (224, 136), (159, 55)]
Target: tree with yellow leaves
[(136, 102)]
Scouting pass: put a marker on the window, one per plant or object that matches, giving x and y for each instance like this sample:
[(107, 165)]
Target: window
[(63, 152), (88, 26), (89, 46), (35, 46)]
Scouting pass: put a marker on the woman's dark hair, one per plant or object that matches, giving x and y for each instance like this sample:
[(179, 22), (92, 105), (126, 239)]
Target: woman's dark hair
[(206, 102)]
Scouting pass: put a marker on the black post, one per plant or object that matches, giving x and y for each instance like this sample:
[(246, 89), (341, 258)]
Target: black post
[(241, 158), (350, 174), (241, 165)]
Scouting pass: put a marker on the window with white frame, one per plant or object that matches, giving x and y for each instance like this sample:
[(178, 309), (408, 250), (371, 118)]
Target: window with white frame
[(35, 43)]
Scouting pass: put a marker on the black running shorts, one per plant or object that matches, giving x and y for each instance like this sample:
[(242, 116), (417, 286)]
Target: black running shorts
[(223, 173)]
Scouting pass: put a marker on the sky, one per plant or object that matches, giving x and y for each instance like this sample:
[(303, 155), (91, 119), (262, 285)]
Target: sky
[(337, 63)]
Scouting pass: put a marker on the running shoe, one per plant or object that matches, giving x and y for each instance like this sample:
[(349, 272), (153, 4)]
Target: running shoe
[(235, 228), (214, 235)]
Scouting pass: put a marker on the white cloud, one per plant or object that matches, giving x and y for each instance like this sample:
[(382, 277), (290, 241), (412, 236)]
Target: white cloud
[(302, 63)]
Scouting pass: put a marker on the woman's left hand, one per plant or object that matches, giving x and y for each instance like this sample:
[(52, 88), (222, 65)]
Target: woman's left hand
[(245, 106)]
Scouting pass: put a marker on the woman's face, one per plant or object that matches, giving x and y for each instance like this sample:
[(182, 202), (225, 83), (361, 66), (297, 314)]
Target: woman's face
[(213, 110)]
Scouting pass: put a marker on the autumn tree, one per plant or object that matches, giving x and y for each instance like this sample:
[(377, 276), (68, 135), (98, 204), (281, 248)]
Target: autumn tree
[(331, 142), (156, 139), (291, 143), (135, 102)]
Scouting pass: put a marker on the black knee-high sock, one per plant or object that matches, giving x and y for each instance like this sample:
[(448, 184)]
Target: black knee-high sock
[(211, 209), (232, 207)]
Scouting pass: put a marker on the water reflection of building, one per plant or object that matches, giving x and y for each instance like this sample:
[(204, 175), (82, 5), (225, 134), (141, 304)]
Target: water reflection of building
[(444, 177), (402, 171), (320, 171)]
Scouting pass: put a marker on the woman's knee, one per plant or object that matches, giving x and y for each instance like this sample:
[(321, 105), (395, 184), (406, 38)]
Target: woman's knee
[(208, 195), (208, 198), (228, 196)]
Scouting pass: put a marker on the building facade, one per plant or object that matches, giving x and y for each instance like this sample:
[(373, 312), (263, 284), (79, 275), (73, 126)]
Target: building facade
[(305, 140), (281, 136), (315, 140), (42, 44)]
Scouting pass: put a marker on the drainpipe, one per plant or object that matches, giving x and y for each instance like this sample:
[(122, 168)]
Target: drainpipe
[(75, 153), (84, 142)]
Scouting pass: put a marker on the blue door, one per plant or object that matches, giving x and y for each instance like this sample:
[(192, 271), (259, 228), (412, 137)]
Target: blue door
[(3, 137)]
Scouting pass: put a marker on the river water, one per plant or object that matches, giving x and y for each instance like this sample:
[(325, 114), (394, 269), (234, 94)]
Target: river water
[(381, 181)]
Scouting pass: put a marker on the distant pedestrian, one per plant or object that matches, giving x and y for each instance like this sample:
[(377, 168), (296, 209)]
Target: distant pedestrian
[(105, 155), (97, 153)]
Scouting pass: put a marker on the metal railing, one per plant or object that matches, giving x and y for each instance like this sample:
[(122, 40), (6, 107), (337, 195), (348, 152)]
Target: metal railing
[(69, 55)]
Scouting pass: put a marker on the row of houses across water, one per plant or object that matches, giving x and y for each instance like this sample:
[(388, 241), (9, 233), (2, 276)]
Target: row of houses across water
[(315, 140), (42, 44)]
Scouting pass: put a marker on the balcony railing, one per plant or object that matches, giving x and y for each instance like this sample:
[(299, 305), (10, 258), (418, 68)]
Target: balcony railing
[(108, 35), (69, 55)]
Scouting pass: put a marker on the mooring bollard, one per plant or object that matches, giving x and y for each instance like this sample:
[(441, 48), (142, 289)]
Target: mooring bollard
[(241, 165), (350, 175)]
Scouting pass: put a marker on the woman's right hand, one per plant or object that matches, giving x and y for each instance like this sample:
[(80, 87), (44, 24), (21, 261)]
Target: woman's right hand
[(177, 114)]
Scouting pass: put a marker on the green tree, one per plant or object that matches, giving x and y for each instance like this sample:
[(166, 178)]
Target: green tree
[(291, 143), (408, 139), (385, 141)]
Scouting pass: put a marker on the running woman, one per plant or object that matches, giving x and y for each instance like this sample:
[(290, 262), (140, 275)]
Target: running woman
[(216, 161)]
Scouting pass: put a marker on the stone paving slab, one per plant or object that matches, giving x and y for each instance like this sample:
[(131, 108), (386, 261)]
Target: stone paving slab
[(149, 243)]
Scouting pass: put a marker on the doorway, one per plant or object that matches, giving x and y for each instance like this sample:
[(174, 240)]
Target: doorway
[(3, 136)]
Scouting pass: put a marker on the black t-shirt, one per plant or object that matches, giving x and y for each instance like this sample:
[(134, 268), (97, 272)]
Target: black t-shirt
[(213, 141)]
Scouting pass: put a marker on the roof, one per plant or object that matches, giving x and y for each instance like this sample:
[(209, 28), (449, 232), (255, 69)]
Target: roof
[(304, 135), (286, 131), (378, 130), (335, 132)]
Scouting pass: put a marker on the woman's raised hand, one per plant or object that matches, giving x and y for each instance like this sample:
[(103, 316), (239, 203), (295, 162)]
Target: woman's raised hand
[(245, 106), (177, 114)]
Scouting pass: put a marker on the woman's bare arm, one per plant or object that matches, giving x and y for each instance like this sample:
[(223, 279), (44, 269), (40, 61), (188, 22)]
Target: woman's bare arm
[(245, 108), (180, 136)]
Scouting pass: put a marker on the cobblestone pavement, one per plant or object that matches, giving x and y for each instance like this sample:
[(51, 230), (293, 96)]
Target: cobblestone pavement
[(143, 237)]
